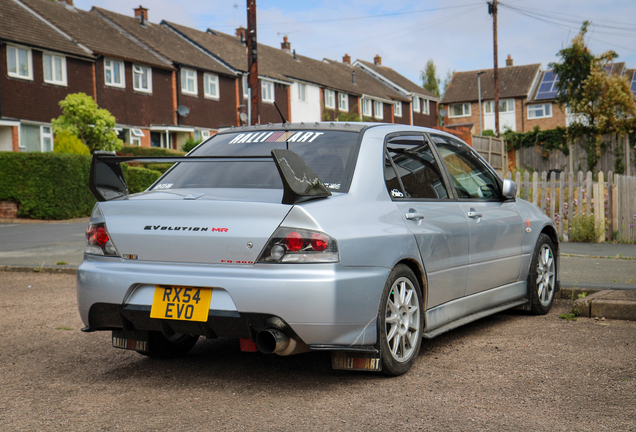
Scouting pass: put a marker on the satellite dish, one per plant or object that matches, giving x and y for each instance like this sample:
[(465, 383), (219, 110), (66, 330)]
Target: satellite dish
[(183, 110), (443, 112), (243, 116)]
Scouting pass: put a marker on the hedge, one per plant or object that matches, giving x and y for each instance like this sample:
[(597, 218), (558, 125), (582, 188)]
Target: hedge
[(55, 186)]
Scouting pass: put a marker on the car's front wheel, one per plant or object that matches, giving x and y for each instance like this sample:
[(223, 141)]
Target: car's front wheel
[(161, 346), (542, 276), (400, 321)]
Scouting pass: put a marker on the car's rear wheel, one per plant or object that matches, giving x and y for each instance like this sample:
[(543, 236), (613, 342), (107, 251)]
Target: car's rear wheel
[(400, 321), (177, 345), (542, 276)]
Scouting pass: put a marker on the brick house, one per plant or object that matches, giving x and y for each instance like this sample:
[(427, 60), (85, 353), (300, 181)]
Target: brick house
[(39, 66), (424, 104), (206, 87)]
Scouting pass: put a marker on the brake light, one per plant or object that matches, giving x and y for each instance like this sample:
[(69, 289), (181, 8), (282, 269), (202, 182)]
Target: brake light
[(290, 245), (98, 241)]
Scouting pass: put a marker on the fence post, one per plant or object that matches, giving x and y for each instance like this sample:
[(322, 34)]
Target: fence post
[(590, 186), (610, 209), (518, 181), (599, 207), (561, 205), (570, 209), (544, 193), (579, 194), (526, 185), (535, 188)]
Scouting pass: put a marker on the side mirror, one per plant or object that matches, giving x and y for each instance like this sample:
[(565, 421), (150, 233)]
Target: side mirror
[(509, 189)]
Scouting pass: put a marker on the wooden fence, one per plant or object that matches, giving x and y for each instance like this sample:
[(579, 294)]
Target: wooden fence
[(493, 150), (611, 201)]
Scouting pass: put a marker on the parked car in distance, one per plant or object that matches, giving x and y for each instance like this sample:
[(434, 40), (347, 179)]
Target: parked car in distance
[(360, 239)]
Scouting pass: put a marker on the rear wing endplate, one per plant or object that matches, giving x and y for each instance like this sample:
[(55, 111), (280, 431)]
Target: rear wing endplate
[(300, 182)]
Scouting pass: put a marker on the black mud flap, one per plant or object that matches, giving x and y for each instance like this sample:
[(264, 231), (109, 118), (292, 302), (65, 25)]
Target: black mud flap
[(358, 361), (131, 340)]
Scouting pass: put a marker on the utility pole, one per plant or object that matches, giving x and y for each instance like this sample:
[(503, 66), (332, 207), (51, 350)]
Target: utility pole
[(252, 59), (492, 9)]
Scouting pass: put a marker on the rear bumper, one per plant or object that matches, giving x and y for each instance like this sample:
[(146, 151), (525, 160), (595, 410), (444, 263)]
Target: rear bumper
[(323, 304)]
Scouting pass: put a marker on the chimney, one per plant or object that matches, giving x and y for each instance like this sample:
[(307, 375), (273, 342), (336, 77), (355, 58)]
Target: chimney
[(509, 61), (346, 59), (353, 77), (285, 45), (377, 60), (67, 3), (141, 13), (240, 32)]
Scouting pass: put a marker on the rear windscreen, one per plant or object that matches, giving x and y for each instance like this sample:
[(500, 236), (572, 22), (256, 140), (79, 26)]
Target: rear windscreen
[(331, 154)]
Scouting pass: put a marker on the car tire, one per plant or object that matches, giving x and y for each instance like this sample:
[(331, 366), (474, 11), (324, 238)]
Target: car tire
[(542, 276), (400, 321), (177, 345)]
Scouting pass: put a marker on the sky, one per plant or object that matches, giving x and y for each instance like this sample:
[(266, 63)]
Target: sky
[(456, 34)]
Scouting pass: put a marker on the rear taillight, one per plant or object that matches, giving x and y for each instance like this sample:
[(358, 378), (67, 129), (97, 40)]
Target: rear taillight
[(290, 245), (98, 241)]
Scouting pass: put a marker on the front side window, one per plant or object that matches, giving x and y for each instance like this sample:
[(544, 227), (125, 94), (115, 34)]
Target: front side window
[(343, 102), (267, 91), (397, 109), (211, 83), (539, 111), (114, 73), (411, 171), (54, 69), (424, 104), (459, 110), (330, 99), (471, 177), (19, 62), (505, 105), (142, 78), (189, 81), (302, 92), (245, 87), (378, 109), (416, 104), (366, 107), (46, 136)]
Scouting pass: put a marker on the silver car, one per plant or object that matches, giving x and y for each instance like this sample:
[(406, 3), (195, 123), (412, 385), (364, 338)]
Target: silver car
[(360, 239)]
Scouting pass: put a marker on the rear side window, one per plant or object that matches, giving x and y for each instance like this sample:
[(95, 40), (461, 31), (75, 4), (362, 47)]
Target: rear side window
[(331, 154)]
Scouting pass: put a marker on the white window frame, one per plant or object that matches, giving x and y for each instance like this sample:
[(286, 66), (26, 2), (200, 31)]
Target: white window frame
[(211, 92), (366, 108), (343, 102), (397, 109), (302, 92), (189, 76), (267, 91), (135, 136), (416, 104), (378, 109), (540, 107), (425, 106), (111, 68), (52, 58), (465, 110), (205, 134), (245, 87), (45, 135), (330, 99), (16, 74), (489, 105), (139, 70)]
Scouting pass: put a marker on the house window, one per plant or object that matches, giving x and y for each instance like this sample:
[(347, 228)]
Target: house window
[(142, 79), (245, 87), (302, 92), (505, 105), (377, 107), (416, 104), (205, 134), (114, 73), (459, 110), (19, 62), (46, 138), (366, 107), (343, 102), (330, 99), (189, 81), (267, 91), (539, 111), (135, 136), (424, 104), (397, 109), (211, 83), (54, 69)]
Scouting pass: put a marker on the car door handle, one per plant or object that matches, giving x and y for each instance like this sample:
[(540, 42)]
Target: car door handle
[(414, 216), (473, 214)]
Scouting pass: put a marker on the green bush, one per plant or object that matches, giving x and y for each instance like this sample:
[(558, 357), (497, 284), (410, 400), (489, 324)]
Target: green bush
[(130, 150), (66, 142), (55, 186), (583, 229), (190, 144)]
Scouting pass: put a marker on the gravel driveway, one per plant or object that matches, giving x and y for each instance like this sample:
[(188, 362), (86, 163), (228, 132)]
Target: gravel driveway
[(507, 372)]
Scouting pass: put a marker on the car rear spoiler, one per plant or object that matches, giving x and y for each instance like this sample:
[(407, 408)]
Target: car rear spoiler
[(300, 182)]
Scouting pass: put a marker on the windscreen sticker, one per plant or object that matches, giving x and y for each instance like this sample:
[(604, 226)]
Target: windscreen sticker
[(259, 137)]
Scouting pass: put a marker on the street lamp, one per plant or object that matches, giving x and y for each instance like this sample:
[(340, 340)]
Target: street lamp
[(481, 125)]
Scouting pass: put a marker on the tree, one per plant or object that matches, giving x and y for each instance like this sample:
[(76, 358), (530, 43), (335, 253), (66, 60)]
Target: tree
[(94, 126), (430, 81), (65, 142)]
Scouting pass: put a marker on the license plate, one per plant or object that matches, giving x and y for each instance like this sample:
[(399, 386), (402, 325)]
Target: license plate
[(181, 303)]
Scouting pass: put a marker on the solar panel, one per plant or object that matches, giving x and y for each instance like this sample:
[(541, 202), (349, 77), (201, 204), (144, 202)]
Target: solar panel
[(547, 88)]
